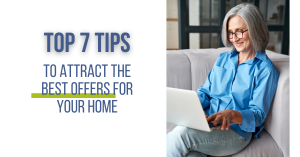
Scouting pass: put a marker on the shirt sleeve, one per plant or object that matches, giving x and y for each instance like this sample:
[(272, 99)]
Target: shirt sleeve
[(262, 96), (204, 94), (204, 91)]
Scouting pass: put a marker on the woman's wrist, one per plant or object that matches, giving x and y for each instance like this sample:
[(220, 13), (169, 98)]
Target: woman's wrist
[(236, 117)]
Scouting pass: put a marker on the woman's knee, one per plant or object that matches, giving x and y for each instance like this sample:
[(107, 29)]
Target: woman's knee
[(180, 131), (180, 128)]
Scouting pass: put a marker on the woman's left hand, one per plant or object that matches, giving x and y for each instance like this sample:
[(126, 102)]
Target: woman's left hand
[(225, 117)]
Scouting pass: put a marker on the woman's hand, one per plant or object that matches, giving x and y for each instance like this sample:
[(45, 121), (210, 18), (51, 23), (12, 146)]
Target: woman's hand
[(225, 117)]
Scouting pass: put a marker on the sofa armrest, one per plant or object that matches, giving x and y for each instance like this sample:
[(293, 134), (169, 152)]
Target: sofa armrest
[(277, 121), (178, 70)]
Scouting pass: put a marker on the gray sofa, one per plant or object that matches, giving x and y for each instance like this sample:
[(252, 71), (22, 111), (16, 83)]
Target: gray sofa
[(188, 69)]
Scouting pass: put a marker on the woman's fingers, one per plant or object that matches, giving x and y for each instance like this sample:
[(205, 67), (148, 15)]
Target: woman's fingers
[(211, 118), (224, 123), (223, 116), (218, 118), (228, 124)]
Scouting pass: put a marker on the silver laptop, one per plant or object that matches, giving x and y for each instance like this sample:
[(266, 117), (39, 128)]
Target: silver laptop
[(184, 108)]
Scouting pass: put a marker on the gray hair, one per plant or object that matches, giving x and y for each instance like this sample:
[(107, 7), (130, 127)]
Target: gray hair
[(257, 27)]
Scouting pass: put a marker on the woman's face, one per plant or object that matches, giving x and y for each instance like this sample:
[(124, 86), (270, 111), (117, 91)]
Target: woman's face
[(243, 44)]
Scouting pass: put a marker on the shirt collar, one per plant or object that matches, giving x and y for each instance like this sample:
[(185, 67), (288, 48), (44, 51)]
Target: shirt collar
[(261, 56)]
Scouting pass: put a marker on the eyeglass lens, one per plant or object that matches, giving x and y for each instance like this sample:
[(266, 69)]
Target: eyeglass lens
[(238, 34)]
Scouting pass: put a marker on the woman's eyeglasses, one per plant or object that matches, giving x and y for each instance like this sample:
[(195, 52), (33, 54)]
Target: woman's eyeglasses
[(238, 34)]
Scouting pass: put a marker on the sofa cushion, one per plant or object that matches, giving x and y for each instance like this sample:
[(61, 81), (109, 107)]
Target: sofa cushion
[(265, 146)]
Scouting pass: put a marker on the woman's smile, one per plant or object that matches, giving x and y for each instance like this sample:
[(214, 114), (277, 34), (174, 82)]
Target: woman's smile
[(238, 44)]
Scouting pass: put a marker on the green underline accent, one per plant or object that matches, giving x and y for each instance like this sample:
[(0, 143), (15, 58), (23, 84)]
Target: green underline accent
[(70, 95)]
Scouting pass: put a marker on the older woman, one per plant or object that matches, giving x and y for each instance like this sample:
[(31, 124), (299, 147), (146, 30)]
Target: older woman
[(239, 89)]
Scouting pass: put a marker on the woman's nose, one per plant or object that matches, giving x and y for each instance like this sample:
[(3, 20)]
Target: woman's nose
[(234, 38)]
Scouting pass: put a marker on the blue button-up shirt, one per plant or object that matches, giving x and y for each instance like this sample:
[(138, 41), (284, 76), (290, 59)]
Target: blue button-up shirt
[(248, 88)]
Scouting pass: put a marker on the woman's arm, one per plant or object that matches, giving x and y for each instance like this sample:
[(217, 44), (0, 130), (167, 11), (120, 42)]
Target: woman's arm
[(204, 91), (259, 105), (204, 94), (262, 96)]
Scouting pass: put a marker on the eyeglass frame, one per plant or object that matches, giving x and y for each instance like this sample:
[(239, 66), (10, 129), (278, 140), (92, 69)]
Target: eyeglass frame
[(236, 35)]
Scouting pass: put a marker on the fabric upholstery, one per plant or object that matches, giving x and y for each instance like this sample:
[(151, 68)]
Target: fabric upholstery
[(178, 70), (265, 146), (277, 121)]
